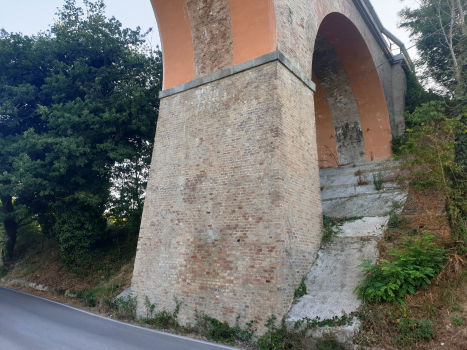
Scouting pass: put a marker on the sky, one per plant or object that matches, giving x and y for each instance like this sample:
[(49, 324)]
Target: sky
[(31, 16)]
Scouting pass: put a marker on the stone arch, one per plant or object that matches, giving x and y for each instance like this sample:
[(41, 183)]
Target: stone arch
[(350, 96)]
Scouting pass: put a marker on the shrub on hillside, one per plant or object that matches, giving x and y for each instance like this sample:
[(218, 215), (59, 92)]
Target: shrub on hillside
[(410, 269)]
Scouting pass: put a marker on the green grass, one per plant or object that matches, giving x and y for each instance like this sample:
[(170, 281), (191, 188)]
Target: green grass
[(457, 321), (413, 331)]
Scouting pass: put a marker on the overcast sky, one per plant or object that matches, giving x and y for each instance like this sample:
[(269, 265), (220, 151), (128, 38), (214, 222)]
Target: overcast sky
[(31, 16)]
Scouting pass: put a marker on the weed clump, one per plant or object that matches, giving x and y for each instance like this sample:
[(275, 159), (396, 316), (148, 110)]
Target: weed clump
[(329, 342), (278, 337), (281, 337), (457, 321), (163, 318), (301, 290), (126, 307), (413, 331), (214, 329), (410, 269), (396, 220), (378, 181), (332, 226)]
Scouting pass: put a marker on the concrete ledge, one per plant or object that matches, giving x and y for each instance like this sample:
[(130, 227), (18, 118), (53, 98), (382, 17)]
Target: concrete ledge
[(270, 57)]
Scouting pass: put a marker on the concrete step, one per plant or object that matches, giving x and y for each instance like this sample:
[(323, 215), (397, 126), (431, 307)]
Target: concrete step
[(374, 166), (345, 191), (349, 191), (371, 205), (335, 274), (362, 178)]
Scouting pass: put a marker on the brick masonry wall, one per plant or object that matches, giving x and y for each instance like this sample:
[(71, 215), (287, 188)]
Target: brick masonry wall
[(399, 80), (211, 29), (232, 219)]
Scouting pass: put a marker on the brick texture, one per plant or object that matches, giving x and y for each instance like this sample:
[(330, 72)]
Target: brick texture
[(211, 29), (232, 219)]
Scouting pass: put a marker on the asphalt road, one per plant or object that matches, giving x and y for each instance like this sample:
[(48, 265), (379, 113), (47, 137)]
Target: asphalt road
[(28, 322)]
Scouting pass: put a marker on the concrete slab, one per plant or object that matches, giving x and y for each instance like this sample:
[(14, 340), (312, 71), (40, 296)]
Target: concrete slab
[(355, 190), (126, 293), (377, 204), (352, 179), (376, 165), (332, 280), (366, 227)]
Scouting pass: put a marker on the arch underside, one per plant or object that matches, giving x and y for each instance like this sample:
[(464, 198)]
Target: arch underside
[(352, 120)]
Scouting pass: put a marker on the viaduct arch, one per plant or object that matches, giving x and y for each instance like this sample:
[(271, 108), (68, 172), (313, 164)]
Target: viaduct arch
[(258, 95)]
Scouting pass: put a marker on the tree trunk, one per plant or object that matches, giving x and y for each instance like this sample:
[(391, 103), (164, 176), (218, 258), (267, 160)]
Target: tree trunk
[(11, 228), (461, 16)]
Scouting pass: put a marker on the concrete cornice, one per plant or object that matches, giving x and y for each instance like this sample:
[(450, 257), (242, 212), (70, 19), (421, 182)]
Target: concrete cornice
[(270, 57)]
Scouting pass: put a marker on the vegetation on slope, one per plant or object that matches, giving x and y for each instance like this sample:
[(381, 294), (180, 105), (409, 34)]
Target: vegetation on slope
[(78, 112)]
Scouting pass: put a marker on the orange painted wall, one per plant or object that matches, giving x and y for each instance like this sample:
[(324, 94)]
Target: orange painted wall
[(356, 59), (177, 43), (254, 28), (325, 135)]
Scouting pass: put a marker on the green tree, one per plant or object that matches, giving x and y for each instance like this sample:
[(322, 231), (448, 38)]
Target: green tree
[(23, 69), (439, 30), (92, 104)]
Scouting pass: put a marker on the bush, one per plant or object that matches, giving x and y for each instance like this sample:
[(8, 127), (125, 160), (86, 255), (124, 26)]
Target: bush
[(430, 145), (278, 337), (78, 227), (126, 307), (397, 144), (214, 329), (411, 268), (3, 271), (162, 318), (329, 342)]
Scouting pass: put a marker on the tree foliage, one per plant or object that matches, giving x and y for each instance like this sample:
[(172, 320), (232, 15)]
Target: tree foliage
[(74, 102), (439, 30)]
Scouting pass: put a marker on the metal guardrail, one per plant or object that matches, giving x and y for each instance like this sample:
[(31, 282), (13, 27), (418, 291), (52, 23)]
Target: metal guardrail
[(371, 18)]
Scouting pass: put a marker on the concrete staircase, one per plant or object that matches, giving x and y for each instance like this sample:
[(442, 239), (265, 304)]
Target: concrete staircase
[(348, 191)]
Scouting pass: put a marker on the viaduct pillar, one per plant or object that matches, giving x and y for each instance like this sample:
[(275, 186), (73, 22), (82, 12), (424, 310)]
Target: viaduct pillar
[(232, 218)]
